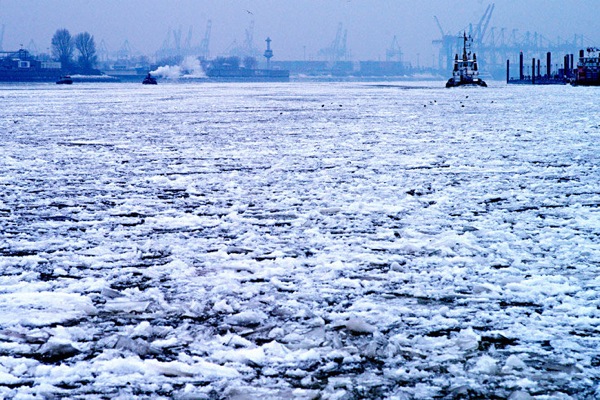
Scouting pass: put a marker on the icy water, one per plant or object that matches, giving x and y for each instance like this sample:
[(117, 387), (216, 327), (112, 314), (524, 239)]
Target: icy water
[(299, 241)]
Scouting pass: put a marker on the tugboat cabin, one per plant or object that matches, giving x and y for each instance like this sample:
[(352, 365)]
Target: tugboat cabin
[(466, 71)]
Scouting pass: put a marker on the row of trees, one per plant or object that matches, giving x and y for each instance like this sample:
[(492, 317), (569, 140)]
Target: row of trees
[(64, 46)]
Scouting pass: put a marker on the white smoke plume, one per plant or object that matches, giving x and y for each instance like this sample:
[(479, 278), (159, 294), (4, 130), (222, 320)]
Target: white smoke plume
[(167, 71), (189, 68)]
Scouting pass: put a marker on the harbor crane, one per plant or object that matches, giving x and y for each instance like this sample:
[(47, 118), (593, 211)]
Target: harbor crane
[(174, 46), (246, 49), (394, 53), (337, 50), (494, 48), (102, 51), (125, 51), (166, 49), (480, 30), (32, 47), (249, 42), (177, 39), (188, 39), (204, 44), (446, 43)]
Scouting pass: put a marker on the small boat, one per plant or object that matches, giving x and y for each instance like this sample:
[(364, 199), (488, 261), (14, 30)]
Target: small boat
[(149, 80), (65, 80), (465, 71)]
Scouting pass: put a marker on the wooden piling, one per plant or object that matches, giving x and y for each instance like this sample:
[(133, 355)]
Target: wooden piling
[(521, 76)]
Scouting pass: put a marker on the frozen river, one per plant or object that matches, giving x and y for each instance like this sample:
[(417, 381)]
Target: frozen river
[(299, 241)]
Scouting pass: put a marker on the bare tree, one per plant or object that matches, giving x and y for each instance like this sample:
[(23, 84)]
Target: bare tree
[(84, 42), (63, 47)]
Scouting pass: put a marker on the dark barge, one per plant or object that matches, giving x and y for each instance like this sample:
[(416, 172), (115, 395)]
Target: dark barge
[(585, 73), (560, 77), (21, 66)]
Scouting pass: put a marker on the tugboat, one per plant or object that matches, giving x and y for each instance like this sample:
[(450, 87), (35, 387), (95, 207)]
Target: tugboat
[(149, 80), (465, 71), (588, 68), (65, 80)]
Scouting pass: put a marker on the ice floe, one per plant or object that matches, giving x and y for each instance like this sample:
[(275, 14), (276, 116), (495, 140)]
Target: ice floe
[(248, 241)]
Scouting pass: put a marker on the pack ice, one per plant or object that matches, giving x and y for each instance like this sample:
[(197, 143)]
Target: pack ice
[(299, 241)]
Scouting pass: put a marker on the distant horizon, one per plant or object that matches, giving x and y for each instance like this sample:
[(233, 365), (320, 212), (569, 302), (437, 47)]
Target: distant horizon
[(300, 31)]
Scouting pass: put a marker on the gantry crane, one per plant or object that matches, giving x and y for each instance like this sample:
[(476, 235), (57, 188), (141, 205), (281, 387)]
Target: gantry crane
[(337, 50), (394, 52), (204, 44)]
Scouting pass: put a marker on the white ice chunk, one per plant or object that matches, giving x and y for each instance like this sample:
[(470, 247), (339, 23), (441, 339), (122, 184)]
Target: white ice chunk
[(7, 378), (513, 362), (43, 308), (164, 343), (246, 318), (485, 365), (133, 365), (467, 339), (125, 305), (358, 325), (520, 395), (143, 329), (254, 356), (222, 306)]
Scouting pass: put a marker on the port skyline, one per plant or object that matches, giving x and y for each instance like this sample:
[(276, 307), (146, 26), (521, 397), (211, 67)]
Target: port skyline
[(360, 31)]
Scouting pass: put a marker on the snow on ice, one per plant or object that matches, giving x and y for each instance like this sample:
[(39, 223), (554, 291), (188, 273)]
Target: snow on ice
[(299, 240)]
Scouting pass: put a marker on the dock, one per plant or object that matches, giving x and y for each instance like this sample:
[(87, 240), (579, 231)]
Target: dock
[(560, 77)]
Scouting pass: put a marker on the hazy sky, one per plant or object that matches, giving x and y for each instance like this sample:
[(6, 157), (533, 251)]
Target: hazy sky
[(297, 27)]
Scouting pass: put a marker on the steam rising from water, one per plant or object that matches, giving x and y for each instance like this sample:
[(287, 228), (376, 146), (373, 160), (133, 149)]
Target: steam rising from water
[(189, 68)]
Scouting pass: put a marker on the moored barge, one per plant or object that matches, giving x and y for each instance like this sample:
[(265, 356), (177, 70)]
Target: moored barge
[(588, 68), (21, 66)]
